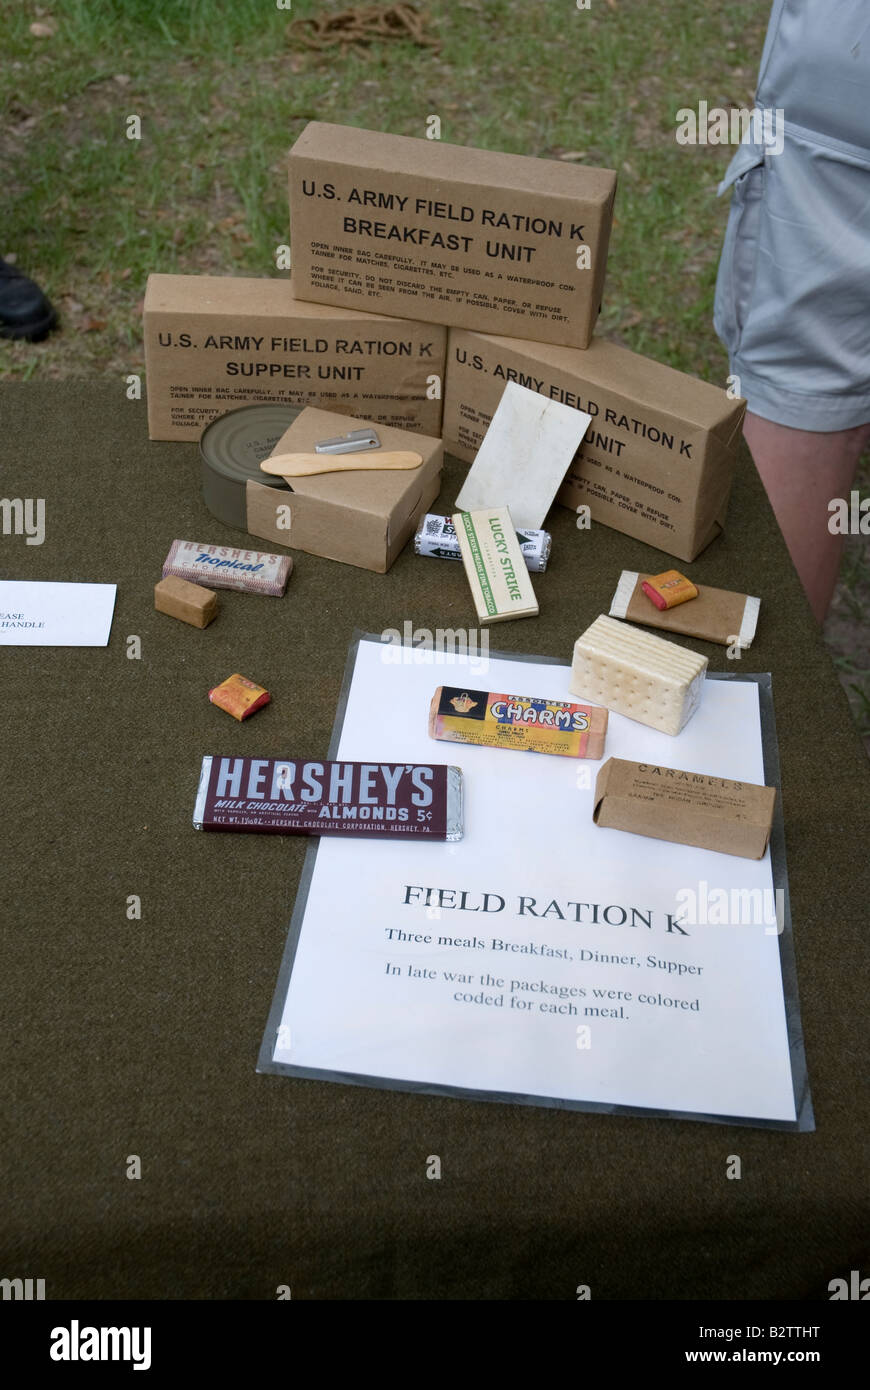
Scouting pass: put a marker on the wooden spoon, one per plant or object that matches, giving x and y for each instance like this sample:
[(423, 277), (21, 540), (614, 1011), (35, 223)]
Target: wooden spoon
[(303, 465)]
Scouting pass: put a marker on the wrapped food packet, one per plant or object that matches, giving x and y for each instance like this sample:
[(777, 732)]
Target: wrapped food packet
[(716, 615)]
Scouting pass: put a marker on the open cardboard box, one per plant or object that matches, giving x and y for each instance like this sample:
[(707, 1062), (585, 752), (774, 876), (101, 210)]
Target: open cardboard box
[(361, 518)]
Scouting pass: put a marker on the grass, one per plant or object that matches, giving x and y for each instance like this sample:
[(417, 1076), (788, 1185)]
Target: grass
[(222, 92)]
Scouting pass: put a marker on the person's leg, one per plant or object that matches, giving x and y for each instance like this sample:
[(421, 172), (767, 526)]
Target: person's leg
[(802, 471)]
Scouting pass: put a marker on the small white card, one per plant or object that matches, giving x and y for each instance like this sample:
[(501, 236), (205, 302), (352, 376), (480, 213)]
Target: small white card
[(524, 457), (34, 614)]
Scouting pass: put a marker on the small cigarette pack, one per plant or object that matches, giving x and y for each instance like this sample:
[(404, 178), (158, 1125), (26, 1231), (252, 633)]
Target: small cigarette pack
[(494, 564)]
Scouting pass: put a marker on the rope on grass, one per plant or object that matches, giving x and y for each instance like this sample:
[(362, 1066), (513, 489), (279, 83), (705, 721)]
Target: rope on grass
[(363, 24)]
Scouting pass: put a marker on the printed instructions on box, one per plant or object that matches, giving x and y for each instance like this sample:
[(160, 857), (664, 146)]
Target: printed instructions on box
[(376, 273), (542, 955)]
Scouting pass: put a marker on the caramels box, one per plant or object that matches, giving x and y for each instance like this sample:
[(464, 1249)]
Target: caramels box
[(687, 808), (213, 343), (498, 242), (658, 459)]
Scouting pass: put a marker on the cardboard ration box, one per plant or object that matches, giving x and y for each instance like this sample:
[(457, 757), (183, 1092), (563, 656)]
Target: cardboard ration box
[(658, 459), (361, 518), (687, 808), (213, 343), (498, 242)]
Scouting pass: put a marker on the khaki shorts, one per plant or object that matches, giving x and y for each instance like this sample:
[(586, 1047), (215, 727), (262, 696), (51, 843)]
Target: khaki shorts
[(793, 291)]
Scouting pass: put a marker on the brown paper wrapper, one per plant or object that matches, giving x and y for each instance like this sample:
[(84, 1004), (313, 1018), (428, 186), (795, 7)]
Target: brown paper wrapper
[(716, 615), (687, 808)]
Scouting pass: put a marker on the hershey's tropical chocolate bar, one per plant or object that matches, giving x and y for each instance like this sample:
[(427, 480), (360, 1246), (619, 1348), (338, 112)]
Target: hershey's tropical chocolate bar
[(225, 567)]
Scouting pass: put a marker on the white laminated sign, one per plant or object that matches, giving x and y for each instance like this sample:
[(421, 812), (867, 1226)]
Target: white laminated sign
[(544, 959)]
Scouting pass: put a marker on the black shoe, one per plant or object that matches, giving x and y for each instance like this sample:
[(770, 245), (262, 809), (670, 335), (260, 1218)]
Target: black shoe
[(24, 310)]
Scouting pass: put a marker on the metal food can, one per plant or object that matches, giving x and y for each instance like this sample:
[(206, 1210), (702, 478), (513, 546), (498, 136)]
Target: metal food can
[(231, 449)]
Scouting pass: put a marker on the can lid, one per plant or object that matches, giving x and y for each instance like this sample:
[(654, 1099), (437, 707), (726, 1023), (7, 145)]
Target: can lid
[(235, 444)]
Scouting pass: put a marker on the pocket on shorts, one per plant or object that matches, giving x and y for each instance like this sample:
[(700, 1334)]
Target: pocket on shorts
[(739, 259), (807, 326)]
